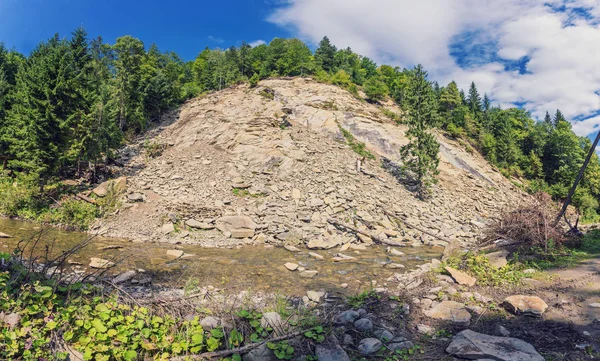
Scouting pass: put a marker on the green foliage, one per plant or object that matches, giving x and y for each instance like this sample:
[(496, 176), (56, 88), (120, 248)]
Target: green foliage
[(282, 350), (420, 155), (357, 147), (153, 149), (363, 299), (254, 320), (478, 265), (254, 80), (375, 89), (392, 115), (317, 334), (73, 213)]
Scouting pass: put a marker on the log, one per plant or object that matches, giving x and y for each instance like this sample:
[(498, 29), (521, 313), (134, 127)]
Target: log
[(390, 214), (83, 197), (239, 351)]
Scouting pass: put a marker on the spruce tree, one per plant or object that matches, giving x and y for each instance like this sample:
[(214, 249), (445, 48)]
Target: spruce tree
[(548, 119), (474, 100), (325, 54), (559, 117), (420, 155)]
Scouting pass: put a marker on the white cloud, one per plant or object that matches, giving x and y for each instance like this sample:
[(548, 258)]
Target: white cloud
[(216, 39), (562, 46), (257, 43)]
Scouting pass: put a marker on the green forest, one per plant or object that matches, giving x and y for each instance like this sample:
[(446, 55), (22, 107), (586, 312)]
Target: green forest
[(67, 106)]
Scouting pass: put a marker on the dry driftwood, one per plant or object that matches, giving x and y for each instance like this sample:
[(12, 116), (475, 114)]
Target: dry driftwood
[(368, 234), (83, 197), (417, 228), (240, 350)]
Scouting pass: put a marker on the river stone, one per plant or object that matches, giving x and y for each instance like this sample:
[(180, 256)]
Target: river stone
[(315, 255), (209, 322), (476, 346), (273, 320), (291, 248), (291, 266), (315, 296), (383, 335), (124, 277), (594, 305), (346, 317), (368, 346), (399, 344), (176, 253), (526, 305), (309, 274), (319, 243), (498, 259), (237, 226), (363, 325), (168, 228), (461, 278), (450, 311), (192, 223), (100, 263), (261, 353), (331, 354), (4, 235), (394, 252)]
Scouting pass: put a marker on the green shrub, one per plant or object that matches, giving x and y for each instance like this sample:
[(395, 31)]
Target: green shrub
[(375, 89), (73, 213), (254, 80), (478, 266), (357, 147)]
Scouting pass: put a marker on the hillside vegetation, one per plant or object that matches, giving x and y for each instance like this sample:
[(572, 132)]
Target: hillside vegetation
[(66, 107)]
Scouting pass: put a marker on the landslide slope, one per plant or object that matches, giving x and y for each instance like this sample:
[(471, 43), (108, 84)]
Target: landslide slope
[(275, 156)]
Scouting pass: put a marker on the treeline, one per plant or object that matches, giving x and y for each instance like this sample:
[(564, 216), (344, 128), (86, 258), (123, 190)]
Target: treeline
[(69, 104)]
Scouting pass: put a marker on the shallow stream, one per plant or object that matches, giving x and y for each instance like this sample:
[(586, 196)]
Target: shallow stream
[(256, 268)]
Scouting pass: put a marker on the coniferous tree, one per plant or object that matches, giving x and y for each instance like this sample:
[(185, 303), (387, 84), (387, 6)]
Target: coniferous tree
[(420, 155), (325, 54), (548, 119), (474, 100)]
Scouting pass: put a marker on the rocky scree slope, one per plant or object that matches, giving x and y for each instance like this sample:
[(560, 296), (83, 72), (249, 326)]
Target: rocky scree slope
[(271, 165)]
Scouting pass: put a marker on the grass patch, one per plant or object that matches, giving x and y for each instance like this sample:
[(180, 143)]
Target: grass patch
[(357, 147), (478, 266), (363, 299), (242, 192), (392, 115), (565, 256)]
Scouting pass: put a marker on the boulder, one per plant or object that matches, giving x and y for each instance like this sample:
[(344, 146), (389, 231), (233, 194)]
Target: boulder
[(261, 353), (331, 354), (237, 226), (450, 311), (368, 346), (526, 305), (315, 296), (119, 184), (399, 344), (461, 278), (383, 335), (476, 346), (100, 263), (273, 320)]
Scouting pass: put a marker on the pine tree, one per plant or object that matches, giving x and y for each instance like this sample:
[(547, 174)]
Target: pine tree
[(450, 98), (474, 100), (421, 153), (487, 103), (325, 55), (559, 117), (548, 119)]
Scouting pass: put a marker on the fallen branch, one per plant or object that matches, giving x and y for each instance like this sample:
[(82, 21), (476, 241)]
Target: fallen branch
[(368, 234), (83, 197), (239, 351), (416, 227)]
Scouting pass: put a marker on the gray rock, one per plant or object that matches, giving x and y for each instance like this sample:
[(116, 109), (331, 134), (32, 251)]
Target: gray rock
[(362, 312), (363, 325), (368, 346), (176, 253), (273, 320), (527, 305), (383, 335), (309, 274), (261, 353), (100, 263), (346, 317), (168, 228), (315, 296), (348, 340), (400, 344), (291, 266), (476, 346), (331, 354), (237, 226), (124, 277), (135, 197), (450, 311), (192, 223), (209, 322)]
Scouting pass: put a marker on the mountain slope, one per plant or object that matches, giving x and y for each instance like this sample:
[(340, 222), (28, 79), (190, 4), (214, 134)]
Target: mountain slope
[(275, 155)]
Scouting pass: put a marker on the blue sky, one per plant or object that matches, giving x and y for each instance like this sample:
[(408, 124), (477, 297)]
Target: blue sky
[(184, 26), (538, 54)]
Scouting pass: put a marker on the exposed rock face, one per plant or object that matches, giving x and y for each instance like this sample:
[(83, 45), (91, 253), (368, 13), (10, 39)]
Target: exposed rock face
[(237, 226), (526, 305), (476, 346), (450, 311), (226, 154)]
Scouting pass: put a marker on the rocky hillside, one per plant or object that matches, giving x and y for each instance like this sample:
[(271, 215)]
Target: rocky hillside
[(272, 164)]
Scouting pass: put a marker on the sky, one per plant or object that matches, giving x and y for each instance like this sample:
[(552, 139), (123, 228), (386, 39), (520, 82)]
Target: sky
[(541, 55)]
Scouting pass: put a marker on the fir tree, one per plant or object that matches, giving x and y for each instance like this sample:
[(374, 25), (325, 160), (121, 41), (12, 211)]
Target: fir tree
[(421, 153), (325, 54), (474, 100)]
